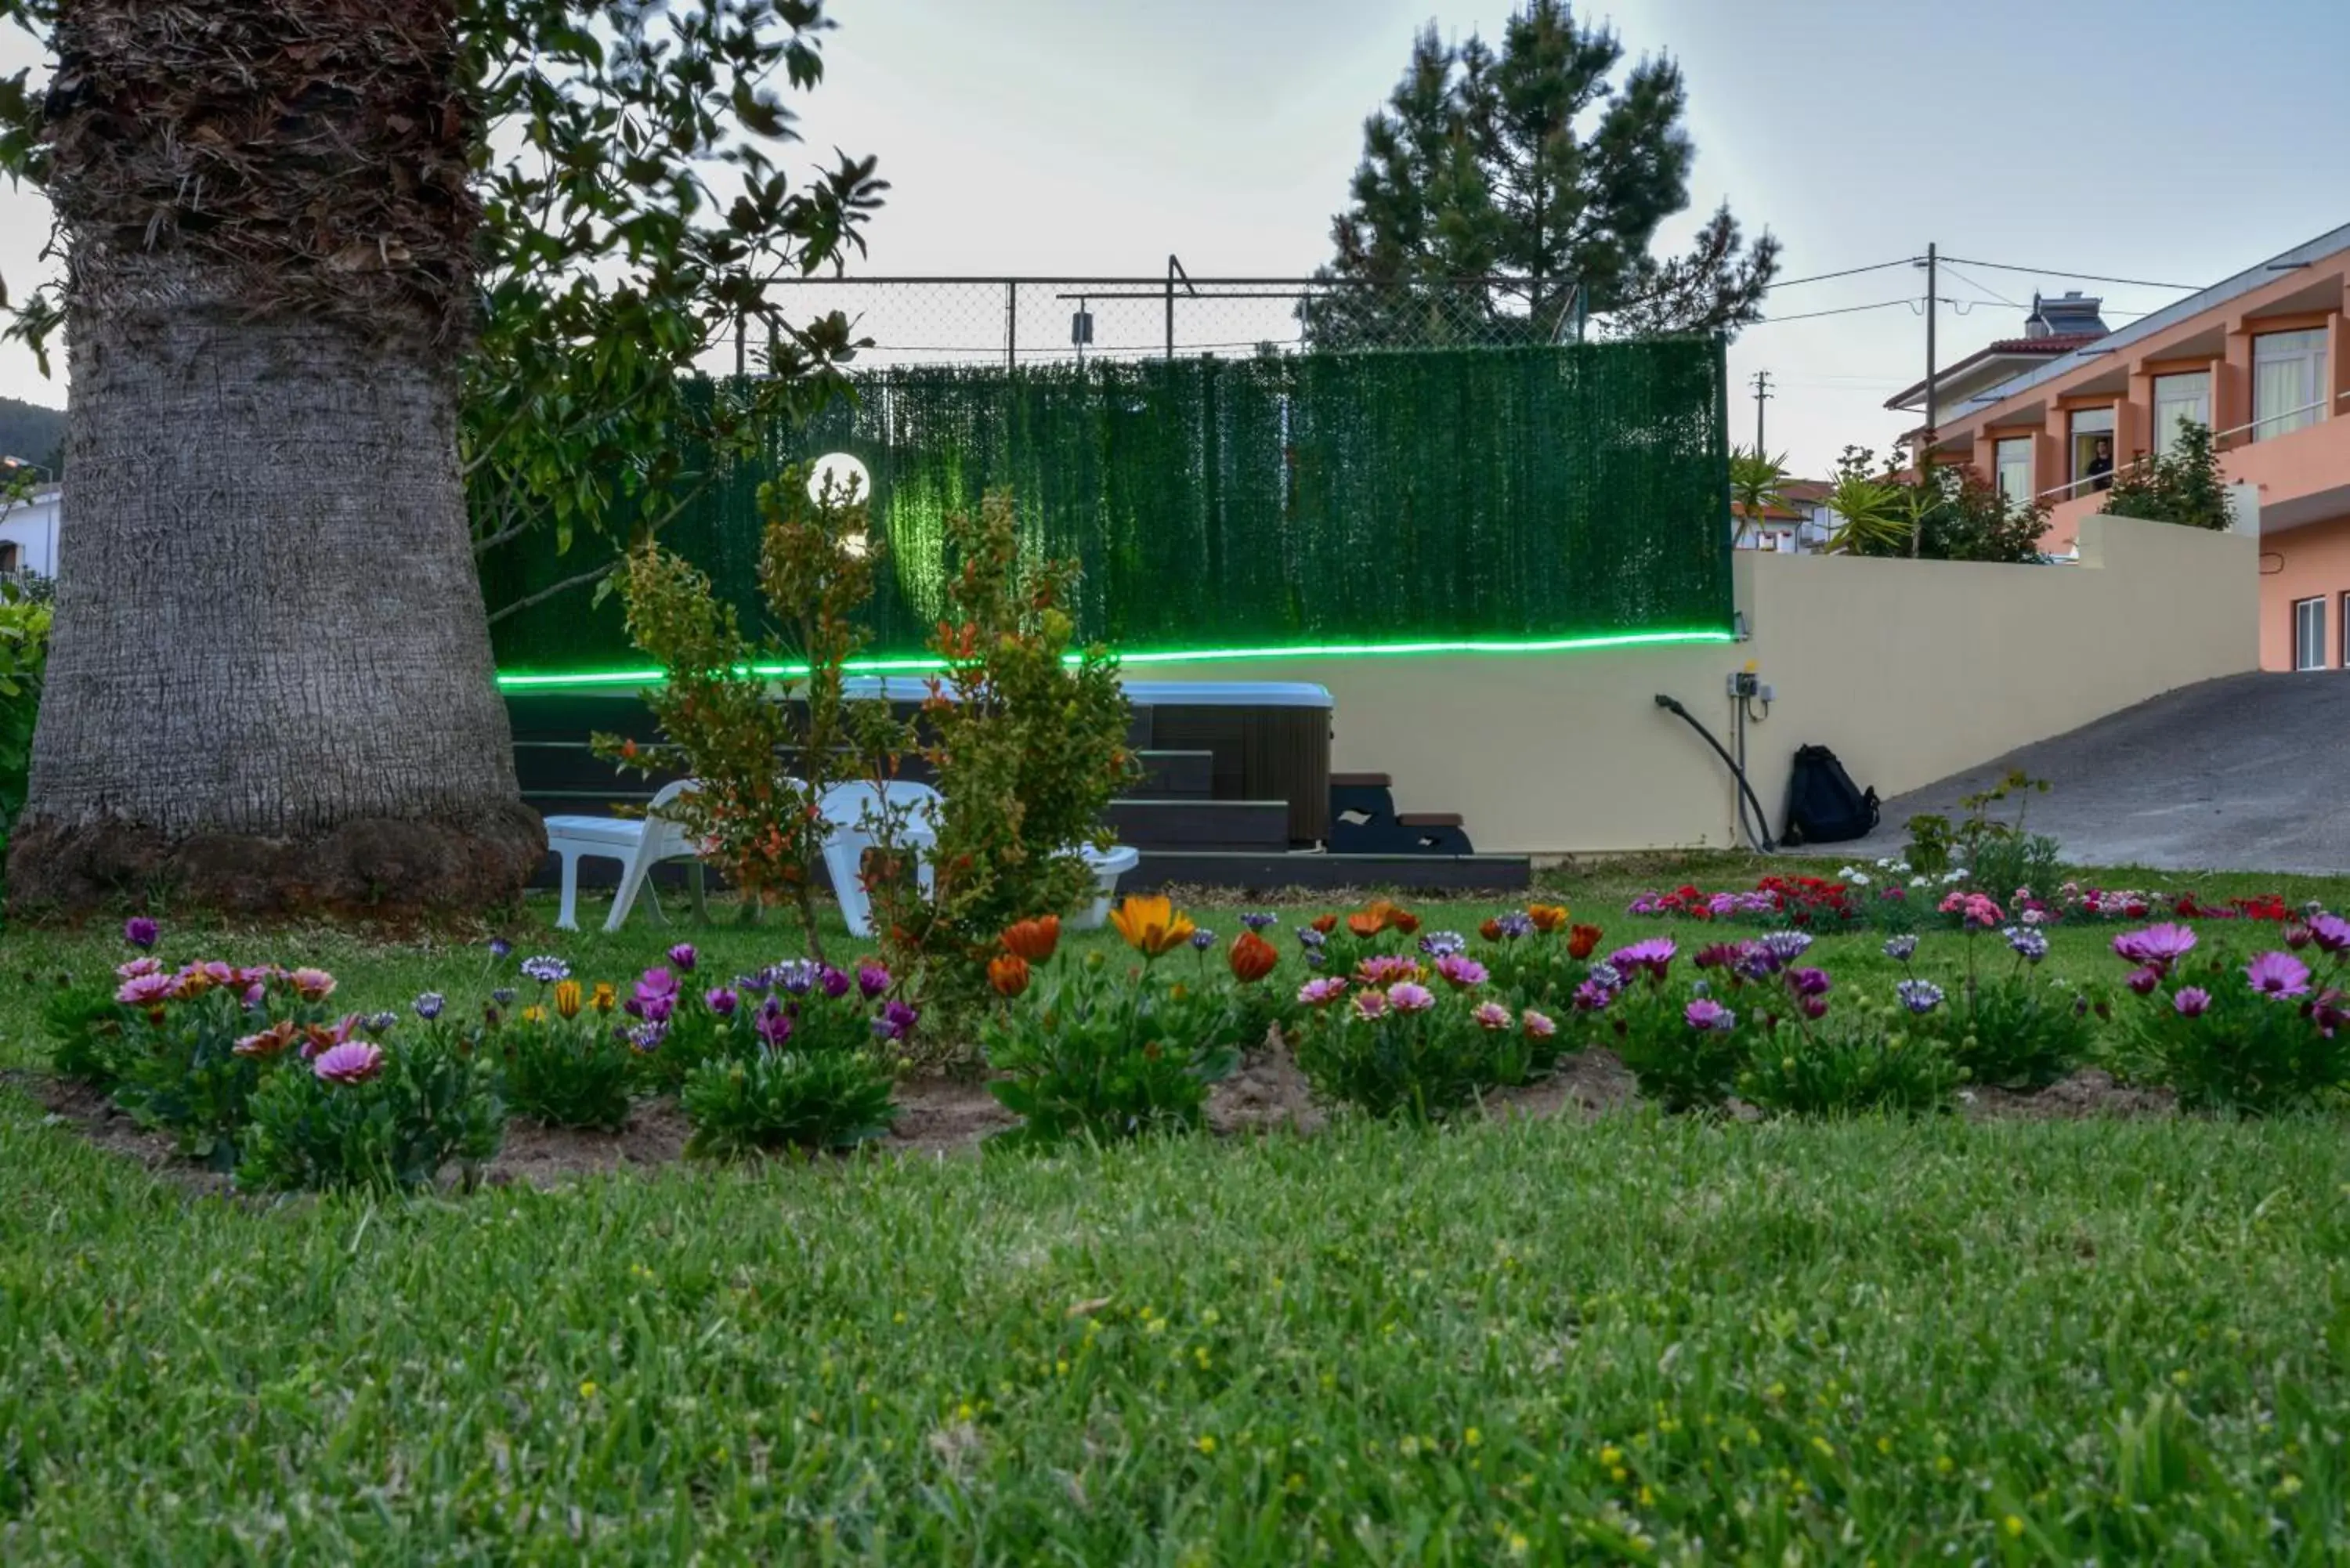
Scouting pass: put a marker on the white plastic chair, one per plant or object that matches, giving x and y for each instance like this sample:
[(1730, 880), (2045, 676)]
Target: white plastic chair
[(1107, 866), (638, 844), (853, 811)]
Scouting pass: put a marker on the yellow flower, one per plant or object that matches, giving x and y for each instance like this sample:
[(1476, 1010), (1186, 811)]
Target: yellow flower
[(534, 1015), (2014, 1525), (1151, 925), (1472, 1437), (1206, 1445), (567, 998), (604, 998), (587, 1390)]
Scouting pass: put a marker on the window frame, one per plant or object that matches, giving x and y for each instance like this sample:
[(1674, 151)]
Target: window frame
[(2157, 402), (2308, 412), (2316, 644), (2076, 467), (1999, 466)]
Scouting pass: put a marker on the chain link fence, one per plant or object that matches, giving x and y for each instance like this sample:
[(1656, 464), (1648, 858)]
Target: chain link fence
[(1022, 321)]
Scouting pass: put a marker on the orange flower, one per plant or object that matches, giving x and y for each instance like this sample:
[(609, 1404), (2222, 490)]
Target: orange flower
[(1403, 920), (1151, 925), (1547, 918), (1033, 939), (1582, 941), (1251, 958), (1008, 974), (1491, 930), (1369, 923), (1326, 924)]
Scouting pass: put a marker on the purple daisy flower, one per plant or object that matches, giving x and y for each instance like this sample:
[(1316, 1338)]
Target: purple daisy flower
[(1920, 996), (872, 980), (1655, 955), (429, 1005), (2190, 1002), (1460, 971), (1443, 944), (1258, 921), (139, 931), (896, 1021), (2155, 946), (1406, 996), (682, 958), (721, 1002), (2278, 975), (1709, 1016)]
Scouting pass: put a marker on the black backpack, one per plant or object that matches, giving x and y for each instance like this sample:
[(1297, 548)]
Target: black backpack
[(1822, 806)]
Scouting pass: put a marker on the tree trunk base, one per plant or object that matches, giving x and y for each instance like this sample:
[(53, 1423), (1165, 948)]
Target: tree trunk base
[(380, 867)]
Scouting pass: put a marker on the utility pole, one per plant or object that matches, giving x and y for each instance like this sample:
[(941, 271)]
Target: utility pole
[(1762, 395), (1933, 410)]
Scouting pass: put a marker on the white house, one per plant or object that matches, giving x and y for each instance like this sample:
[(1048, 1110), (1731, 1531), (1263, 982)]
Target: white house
[(29, 534)]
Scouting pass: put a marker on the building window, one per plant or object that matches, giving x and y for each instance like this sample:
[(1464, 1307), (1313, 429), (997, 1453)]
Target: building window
[(2013, 459), (2288, 382), (12, 558), (2093, 450), (2178, 400), (2309, 634)]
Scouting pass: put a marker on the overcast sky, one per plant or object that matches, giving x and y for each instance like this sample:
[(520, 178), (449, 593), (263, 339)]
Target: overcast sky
[(2173, 140)]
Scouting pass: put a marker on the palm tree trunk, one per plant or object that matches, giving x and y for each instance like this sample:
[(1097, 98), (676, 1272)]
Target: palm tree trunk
[(270, 685)]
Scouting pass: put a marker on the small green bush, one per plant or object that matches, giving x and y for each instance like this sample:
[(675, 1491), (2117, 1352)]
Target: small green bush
[(83, 1025), (567, 1071), (776, 1100), (1090, 1055), (1859, 1062), (428, 1103), (1685, 1051), (2015, 1033), (2258, 1039)]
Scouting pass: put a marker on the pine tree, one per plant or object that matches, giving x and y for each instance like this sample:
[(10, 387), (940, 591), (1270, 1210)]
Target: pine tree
[(1528, 163)]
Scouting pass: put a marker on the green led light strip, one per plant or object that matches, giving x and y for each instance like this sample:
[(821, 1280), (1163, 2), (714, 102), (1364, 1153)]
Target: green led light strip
[(1171, 656)]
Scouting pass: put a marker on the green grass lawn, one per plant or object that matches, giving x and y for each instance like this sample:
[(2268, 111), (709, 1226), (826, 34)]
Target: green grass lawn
[(1617, 1339)]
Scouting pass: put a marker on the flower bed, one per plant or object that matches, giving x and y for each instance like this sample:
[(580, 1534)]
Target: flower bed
[(255, 1070), (1889, 894)]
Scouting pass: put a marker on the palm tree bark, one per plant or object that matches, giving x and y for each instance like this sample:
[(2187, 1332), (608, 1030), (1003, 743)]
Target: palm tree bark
[(270, 685)]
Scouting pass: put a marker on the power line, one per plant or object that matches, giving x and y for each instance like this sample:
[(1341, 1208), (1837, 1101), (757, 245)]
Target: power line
[(1995, 294), (2079, 277), (1848, 272), (1847, 310)]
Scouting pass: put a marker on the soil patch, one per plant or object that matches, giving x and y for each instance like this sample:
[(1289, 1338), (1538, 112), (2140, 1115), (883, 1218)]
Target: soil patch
[(1266, 1092), (1585, 1084), (2091, 1092)]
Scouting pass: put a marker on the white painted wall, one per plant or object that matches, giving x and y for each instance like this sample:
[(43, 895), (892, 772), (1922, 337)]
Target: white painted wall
[(31, 527)]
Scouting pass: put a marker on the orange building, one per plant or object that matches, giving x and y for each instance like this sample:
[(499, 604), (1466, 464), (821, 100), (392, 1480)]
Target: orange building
[(2261, 358)]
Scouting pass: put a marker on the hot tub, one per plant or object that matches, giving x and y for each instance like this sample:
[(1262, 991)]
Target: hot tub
[(1270, 739)]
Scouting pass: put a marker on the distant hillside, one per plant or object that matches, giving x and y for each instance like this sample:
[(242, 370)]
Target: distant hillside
[(33, 432)]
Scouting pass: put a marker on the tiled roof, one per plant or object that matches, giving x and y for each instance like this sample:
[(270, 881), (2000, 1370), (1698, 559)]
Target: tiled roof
[(2055, 343)]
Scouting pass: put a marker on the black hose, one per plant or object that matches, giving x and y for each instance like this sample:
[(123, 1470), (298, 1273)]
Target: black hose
[(1758, 830)]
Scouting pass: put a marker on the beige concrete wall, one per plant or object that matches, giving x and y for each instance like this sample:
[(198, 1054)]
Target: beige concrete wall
[(1911, 670)]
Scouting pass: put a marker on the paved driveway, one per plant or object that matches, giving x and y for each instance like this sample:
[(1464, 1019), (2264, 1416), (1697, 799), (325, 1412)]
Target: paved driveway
[(2249, 774)]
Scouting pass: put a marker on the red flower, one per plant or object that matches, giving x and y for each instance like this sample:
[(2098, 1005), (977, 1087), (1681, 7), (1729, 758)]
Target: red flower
[(1582, 941), (1008, 974), (1033, 940), (1251, 958)]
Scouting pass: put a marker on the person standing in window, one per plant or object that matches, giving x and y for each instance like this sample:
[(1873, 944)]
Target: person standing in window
[(2101, 464)]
